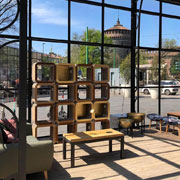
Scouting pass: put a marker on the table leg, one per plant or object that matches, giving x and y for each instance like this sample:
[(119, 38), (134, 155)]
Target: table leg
[(72, 155), (64, 149), (167, 127), (110, 145), (122, 147)]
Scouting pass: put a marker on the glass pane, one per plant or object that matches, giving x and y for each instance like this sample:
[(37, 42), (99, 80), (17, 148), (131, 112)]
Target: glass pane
[(170, 33), (149, 103), (148, 68), (8, 14), (149, 31), (85, 17), (49, 52), (171, 9), (81, 54), (117, 26), (124, 3), (149, 5), (50, 19)]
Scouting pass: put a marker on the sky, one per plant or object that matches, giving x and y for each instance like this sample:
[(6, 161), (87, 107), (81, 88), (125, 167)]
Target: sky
[(49, 19)]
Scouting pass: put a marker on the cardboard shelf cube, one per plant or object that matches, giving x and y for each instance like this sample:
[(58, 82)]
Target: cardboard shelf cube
[(65, 73), (65, 113), (84, 73), (101, 92), (47, 110), (84, 91), (101, 73), (83, 112), (101, 110), (65, 92), (45, 89), (43, 72)]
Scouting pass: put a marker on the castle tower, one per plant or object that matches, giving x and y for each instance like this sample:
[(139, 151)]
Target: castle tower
[(121, 36)]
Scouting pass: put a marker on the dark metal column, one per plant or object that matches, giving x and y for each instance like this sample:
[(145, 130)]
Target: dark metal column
[(22, 91), (69, 31), (133, 48), (29, 67), (159, 58), (102, 35)]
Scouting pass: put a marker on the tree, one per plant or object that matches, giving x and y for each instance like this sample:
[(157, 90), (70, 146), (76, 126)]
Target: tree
[(175, 66), (166, 44), (78, 52), (125, 66), (8, 11)]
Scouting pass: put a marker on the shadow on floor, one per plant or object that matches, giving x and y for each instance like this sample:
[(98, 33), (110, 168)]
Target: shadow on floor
[(56, 173)]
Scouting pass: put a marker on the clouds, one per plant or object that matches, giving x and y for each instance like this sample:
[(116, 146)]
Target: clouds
[(48, 13)]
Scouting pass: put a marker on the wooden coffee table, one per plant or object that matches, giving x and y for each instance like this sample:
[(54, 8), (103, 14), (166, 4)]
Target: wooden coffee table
[(92, 136)]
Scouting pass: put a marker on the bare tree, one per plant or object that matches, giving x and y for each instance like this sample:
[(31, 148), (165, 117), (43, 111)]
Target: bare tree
[(8, 12)]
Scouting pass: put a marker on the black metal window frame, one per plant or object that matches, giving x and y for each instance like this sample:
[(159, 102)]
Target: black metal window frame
[(24, 37)]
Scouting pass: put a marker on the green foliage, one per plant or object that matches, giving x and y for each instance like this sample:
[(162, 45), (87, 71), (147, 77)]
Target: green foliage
[(78, 52), (175, 66), (125, 66)]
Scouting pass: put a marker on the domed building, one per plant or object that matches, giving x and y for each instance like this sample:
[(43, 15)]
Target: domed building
[(121, 36)]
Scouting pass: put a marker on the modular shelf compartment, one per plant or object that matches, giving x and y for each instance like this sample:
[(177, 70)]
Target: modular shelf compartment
[(65, 73), (84, 91), (46, 112), (65, 92), (101, 110), (101, 92), (83, 112), (101, 73), (43, 93), (84, 73), (43, 72), (65, 113)]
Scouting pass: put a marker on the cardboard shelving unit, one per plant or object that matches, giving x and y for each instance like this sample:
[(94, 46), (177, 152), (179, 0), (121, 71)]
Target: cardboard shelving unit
[(84, 91), (71, 96), (101, 110), (65, 73), (84, 112), (65, 92), (101, 73), (43, 72), (84, 73), (101, 92), (45, 89)]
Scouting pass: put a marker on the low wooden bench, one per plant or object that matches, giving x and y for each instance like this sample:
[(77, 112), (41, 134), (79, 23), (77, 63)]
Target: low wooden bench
[(92, 136)]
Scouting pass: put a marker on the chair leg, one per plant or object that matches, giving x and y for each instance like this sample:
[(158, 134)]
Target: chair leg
[(167, 127), (45, 175), (150, 124)]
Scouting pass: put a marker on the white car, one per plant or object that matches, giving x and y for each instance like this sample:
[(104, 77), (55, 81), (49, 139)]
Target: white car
[(170, 89)]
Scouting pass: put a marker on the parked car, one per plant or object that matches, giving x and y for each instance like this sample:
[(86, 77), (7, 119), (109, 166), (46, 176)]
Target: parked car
[(169, 87)]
